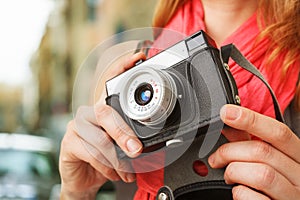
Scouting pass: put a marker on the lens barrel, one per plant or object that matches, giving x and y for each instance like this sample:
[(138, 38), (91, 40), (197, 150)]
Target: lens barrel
[(148, 96)]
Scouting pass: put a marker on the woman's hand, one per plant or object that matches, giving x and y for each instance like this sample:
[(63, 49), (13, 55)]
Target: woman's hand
[(262, 169), (87, 157)]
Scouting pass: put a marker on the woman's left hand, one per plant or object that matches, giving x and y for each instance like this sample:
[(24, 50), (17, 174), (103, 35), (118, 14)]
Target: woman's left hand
[(261, 169)]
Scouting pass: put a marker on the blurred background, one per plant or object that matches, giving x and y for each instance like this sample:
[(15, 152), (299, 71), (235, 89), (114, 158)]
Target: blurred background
[(42, 45)]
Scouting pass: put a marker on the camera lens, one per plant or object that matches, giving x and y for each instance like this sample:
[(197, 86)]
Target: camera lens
[(143, 94), (148, 95)]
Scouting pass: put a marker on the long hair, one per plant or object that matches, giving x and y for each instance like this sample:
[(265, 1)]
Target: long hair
[(281, 23), (279, 20), (164, 10)]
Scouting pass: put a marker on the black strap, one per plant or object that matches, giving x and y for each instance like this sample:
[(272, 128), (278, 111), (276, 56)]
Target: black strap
[(230, 51)]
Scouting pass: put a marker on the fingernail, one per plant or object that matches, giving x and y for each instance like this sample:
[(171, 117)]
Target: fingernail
[(133, 146), (130, 177), (211, 160), (230, 112)]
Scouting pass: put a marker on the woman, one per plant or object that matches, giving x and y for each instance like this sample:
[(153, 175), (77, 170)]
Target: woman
[(267, 33)]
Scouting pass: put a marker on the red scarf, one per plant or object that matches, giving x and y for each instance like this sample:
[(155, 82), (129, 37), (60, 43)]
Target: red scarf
[(253, 93)]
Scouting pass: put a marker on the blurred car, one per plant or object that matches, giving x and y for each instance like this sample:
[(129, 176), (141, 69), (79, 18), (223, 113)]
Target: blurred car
[(28, 168)]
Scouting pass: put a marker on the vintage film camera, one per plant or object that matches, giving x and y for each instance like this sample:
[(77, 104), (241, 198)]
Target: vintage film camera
[(175, 95)]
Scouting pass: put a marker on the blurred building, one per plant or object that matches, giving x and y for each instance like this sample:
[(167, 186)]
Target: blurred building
[(11, 110), (73, 30)]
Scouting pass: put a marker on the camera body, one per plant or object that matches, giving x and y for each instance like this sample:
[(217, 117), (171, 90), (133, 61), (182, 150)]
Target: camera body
[(175, 95)]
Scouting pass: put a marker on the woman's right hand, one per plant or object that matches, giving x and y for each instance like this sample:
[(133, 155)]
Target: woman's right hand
[(87, 156)]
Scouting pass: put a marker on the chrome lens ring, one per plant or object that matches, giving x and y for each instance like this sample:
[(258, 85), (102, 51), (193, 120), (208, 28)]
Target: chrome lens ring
[(148, 96)]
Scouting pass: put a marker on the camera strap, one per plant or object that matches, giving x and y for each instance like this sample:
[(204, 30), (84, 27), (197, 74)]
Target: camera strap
[(182, 178), (231, 51)]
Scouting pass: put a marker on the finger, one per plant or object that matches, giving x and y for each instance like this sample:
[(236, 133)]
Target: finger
[(97, 141), (134, 59), (117, 128), (88, 129), (105, 117), (242, 192), (127, 63), (259, 152), (234, 135), (76, 155), (266, 128), (120, 167), (119, 67), (262, 178), (94, 159)]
